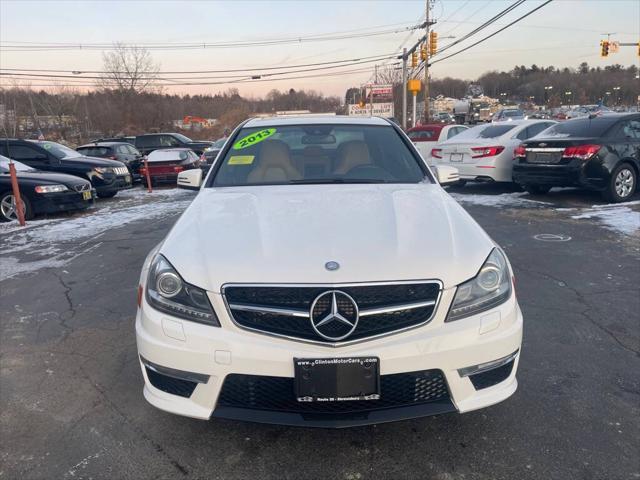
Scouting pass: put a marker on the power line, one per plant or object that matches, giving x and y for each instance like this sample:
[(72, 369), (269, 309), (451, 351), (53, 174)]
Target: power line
[(231, 82), (484, 25), (494, 33), (178, 79), (9, 46), (482, 7), (79, 71)]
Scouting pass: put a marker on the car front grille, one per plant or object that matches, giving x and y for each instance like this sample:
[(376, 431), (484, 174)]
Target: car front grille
[(121, 171), (285, 310), (257, 392), (82, 187)]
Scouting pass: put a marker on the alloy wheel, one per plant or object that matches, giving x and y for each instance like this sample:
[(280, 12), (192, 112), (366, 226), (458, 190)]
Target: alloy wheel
[(8, 207), (624, 183)]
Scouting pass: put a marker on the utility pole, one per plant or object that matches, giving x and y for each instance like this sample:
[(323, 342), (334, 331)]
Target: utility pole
[(426, 67), (404, 89)]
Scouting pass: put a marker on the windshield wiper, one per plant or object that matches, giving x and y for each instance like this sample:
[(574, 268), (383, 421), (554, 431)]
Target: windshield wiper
[(319, 181)]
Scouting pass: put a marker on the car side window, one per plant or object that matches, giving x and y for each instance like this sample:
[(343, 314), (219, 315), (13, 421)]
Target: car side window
[(132, 150), (25, 152), (631, 129), (453, 132), (535, 129), (123, 149), (168, 141), (524, 134)]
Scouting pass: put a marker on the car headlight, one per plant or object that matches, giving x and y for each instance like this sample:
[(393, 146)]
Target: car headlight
[(168, 292), (50, 188), (100, 171), (488, 289)]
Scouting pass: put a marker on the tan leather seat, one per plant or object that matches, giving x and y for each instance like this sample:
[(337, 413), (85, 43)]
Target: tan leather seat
[(350, 155), (274, 164)]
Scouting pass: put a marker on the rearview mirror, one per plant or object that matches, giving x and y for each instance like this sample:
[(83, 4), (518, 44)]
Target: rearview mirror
[(447, 175), (190, 179)]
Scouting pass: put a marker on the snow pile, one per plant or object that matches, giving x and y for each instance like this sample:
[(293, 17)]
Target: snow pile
[(502, 200), (617, 217), (54, 242)]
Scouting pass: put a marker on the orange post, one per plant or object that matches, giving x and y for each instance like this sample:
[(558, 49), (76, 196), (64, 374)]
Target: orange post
[(146, 172), (16, 194)]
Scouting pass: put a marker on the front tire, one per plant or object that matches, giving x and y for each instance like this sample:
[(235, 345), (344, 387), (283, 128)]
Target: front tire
[(8, 211), (536, 189), (622, 184)]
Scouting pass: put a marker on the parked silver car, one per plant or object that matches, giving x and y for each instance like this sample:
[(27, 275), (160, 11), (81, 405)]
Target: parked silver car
[(486, 152)]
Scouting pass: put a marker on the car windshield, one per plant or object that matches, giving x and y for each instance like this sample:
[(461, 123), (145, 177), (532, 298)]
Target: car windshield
[(20, 167), (182, 138), (579, 127), (485, 131), (512, 113), (59, 151), (298, 154), (95, 151)]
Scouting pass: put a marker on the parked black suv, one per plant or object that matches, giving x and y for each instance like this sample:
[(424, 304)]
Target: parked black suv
[(595, 152), (155, 141), (122, 151), (106, 176)]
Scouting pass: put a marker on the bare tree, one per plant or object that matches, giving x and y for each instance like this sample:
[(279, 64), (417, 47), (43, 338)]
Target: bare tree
[(129, 69)]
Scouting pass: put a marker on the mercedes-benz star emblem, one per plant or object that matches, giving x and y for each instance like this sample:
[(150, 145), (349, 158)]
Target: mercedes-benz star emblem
[(334, 315), (332, 266)]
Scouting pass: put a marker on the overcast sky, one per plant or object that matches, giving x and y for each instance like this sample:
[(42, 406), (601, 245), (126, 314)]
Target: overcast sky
[(564, 33)]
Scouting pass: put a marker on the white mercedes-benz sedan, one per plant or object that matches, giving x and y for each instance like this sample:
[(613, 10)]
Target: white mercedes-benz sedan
[(323, 277)]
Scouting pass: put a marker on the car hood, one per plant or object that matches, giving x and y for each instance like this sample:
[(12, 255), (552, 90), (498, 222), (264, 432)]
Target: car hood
[(42, 177), (286, 234), (92, 162)]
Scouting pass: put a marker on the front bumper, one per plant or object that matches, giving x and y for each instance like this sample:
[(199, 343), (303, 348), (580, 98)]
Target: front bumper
[(216, 353), (61, 202), (121, 182)]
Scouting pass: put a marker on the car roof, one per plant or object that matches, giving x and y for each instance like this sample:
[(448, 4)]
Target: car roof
[(158, 133), (315, 120), (103, 144)]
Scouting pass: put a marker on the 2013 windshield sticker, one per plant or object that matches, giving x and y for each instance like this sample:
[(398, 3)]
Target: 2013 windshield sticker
[(254, 138)]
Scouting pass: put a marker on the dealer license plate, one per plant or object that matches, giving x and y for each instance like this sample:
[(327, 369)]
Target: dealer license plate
[(337, 379), (456, 157)]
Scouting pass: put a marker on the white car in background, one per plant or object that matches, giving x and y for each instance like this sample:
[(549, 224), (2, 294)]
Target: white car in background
[(323, 277), (486, 152), (426, 137)]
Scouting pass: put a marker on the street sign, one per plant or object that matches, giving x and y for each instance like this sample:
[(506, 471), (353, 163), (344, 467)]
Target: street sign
[(379, 110)]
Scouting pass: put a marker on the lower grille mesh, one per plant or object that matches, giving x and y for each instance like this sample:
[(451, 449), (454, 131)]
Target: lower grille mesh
[(277, 393), (174, 386)]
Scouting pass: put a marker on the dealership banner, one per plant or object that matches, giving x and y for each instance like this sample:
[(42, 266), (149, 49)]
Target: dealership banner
[(379, 110)]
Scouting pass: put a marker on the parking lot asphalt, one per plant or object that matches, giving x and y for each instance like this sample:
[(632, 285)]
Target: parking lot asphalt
[(71, 403)]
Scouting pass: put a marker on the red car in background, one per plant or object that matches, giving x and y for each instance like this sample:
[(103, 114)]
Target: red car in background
[(165, 165)]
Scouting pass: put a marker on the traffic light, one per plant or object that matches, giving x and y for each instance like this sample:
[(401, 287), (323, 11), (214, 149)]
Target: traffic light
[(414, 60), (639, 49), (423, 52), (433, 43), (604, 48)]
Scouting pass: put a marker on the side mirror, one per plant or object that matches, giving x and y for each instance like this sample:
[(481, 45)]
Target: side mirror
[(447, 175), (190, 179)]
